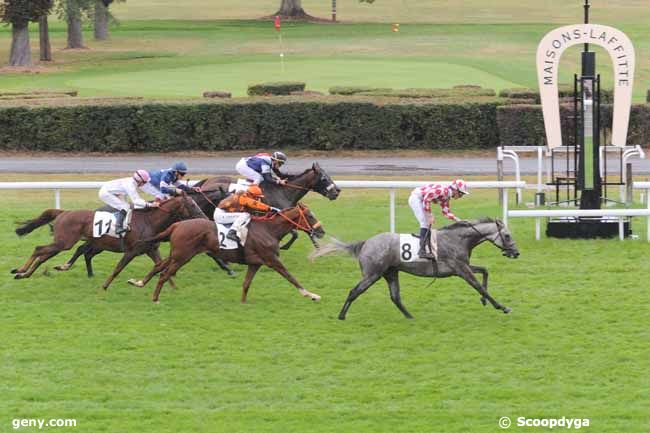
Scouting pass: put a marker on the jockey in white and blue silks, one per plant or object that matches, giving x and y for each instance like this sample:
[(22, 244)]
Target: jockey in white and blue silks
[(263, 167), (165, 183)]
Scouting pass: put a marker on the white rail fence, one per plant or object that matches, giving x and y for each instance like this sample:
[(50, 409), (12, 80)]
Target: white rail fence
[(391, 186)]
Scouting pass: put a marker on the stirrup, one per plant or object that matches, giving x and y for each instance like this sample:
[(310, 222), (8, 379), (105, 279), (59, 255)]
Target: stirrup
[(423, 254)]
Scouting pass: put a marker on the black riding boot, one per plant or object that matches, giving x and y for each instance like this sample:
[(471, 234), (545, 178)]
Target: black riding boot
[(422, 253), (232, 235), (119, 222)]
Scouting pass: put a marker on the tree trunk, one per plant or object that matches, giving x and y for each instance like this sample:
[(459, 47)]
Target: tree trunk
[(44, 31), (75, 35), (21, 54), (101, 21), (291, 8)]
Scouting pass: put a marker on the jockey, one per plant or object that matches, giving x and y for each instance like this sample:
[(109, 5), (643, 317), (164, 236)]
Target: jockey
[(113, 193), (236, 207), (165, 183), (420, 202), (263, 167)]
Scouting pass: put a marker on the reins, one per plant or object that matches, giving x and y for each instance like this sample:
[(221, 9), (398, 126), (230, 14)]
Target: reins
[(493, 241)]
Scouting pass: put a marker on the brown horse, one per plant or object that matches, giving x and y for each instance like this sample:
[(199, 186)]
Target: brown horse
[(71, 226), (189, 238)]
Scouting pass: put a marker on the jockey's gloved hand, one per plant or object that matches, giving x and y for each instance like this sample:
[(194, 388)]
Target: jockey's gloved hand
[(275, 209)]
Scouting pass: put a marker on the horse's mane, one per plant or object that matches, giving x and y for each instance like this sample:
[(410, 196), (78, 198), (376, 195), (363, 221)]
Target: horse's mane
[(466, 223), (292, 177)]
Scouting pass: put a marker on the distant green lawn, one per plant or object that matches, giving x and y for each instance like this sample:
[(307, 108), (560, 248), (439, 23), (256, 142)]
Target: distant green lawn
[(575, 344), (183, 59)]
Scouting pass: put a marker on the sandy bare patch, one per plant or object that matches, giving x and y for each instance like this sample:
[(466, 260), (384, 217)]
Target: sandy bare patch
[(35, 69)]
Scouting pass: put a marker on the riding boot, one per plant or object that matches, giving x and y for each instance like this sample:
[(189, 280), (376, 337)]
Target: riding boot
[(422, 253), (119, 222), (232, 235)]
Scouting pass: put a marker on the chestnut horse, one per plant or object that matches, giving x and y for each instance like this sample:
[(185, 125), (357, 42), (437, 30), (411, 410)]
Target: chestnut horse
[(189, 238), (71, 226)]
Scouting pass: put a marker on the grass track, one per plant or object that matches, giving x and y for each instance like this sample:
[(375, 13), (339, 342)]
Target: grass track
[(575, 345)]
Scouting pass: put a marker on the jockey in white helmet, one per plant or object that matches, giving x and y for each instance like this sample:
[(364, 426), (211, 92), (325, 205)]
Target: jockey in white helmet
[(114, 194), (420, 202), (263, 167)]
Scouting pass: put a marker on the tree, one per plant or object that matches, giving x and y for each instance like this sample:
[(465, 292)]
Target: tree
[(44, 38), (73, 12), (19, 13), (102, 17), (292, 8)]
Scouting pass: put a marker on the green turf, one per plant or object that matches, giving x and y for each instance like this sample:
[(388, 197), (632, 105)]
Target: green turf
[(574, 346), (183, 59)]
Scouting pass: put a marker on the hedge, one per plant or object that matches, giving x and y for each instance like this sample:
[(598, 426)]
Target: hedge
[(459, 91), (564, 91), (523, 125), (279, 88), (252, 123), (647, 96)]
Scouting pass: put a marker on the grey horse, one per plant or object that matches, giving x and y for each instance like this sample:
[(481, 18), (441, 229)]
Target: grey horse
[(380, 256)]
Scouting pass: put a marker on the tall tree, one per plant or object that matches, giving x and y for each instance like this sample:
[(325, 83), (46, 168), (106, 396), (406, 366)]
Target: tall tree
[(19, 13), (73, 12), (102, 17), (291, 8), (44, 37)]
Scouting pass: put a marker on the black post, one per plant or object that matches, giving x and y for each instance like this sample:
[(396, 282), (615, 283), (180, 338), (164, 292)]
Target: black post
[(586, 21)]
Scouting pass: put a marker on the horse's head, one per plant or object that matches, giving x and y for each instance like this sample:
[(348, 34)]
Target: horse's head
[(504, 240), (304, 219), (184, 207), (324, 184)]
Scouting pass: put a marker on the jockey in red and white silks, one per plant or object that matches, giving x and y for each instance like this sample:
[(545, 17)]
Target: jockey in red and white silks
[(114, 194), (420, 202)]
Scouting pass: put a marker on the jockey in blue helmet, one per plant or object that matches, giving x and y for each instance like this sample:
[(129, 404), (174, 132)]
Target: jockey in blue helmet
[(167, 182)]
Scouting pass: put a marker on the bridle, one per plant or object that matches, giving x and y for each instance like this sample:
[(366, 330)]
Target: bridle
[(302, 223), (498, 235)]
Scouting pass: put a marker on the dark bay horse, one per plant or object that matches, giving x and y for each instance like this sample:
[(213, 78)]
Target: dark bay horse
[(75, 225), (214, 189), (189, 238), (380, 256)]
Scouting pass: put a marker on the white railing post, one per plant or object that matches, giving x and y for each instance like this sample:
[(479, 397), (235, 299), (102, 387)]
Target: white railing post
[(57, 199), (538, 228), (505, 206), (647, 194), (392, 211)]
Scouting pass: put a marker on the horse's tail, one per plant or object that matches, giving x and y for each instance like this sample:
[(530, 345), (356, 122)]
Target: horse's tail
[(162, 236), (47, 216), (336, 245)]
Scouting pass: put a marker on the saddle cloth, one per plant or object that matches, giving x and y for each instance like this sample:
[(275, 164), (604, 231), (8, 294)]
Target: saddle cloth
[(228, 244), (104, 223), (409, 246), (241, 185)]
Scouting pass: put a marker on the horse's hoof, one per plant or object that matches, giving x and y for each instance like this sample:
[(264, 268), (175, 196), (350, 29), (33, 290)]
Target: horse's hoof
[(315, 298), (61, 268), (156, 302), (18, 276), (506, 310), (483, 301), (14, 271), (136, 283), (341, 317), (232, 274)]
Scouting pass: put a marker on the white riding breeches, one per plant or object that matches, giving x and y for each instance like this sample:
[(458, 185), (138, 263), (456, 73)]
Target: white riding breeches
[(113, 200), (243, 169), (415, 202)]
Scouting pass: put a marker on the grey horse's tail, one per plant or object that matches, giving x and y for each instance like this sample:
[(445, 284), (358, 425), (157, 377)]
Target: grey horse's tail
[(336, 245)]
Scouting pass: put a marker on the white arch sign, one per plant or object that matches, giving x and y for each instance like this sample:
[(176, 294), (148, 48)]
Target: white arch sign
[(550, 51)]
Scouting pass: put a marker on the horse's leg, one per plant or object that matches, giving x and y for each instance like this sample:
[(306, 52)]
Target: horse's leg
[(170, 270), (252, 270), (88, 258), (392, 278), (483, 271), (222, 265), (28, 263), (294, 236), (125, 260), (45, 253), (154, 254), (361, 287), (466, 273), (277, 266), (158, 267), (67, 265)]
